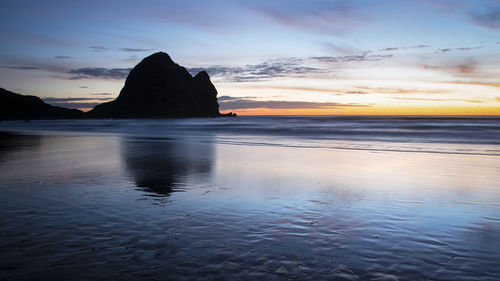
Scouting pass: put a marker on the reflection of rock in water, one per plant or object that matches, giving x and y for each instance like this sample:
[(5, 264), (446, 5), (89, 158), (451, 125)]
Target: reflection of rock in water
[(10, 143), (162, 165)]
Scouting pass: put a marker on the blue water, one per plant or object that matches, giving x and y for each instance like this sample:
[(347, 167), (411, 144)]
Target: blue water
[(480, 134), (251, 198), (473, 130)]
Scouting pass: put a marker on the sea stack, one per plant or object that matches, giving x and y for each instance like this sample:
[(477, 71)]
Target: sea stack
[(157, 87)]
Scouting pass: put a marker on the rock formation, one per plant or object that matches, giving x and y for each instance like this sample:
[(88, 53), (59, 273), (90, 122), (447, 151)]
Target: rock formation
[(19, 107), (157, 87)]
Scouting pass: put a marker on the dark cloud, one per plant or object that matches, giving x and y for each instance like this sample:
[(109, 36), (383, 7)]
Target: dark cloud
[(99, 72), (63, 57), (458, 49), (216, 70), (21, 67), (468, 48), (488, 17), (75, 102), (354, 58), (48, 65), (283, 67), (249, 102), (63, 100), (78, 77), (136, 50), (228, 98), (102, 94), (83, 87), (404, 48), (98, 48), (356, 93), (337, 92), (287, 67)]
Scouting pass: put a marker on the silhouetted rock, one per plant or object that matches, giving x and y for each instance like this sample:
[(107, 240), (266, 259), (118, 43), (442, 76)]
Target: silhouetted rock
[(19, 107), (157, 87)]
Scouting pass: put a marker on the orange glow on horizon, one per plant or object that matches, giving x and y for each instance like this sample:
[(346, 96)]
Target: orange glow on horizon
[(387, 110)]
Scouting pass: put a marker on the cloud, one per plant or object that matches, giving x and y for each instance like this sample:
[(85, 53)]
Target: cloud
[(285, 67), (102, 94), (466, 68), (435, 99), (446, 50), (21, 67), (332, 16), (98, 48), (404, 48), (99, 72), (390, 49), (345, 50), (227, 103), (462, 68), (477, 83), (356, 93), (78, 102), (83, 87), (229, 98), (60, 100), (75, 104), (354, 58), (337, 92), (62, 71), (456, 68), (498, 99), (48, 65), (136, 50), (382, 90), (63, 57), (282, 67), (488, 17)]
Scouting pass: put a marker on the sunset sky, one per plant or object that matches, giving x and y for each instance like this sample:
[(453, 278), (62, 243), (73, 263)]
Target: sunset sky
[(264, 57)]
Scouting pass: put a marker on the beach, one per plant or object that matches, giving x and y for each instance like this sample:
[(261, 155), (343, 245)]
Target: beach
[(251, 198)]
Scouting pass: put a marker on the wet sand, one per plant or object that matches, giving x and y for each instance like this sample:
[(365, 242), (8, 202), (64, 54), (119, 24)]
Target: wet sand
[(104, 207)]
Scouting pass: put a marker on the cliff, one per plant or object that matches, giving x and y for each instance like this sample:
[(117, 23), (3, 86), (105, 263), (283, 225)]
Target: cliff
[(20, 107)]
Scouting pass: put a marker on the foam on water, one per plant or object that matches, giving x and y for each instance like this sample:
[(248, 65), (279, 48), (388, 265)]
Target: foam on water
[(462, 135)]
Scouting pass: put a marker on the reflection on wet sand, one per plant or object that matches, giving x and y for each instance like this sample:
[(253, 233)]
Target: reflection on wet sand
[(80, 206), (10, 143), (161, 166)]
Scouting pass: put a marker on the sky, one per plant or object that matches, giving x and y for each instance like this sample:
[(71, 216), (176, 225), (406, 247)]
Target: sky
[(319, 57)]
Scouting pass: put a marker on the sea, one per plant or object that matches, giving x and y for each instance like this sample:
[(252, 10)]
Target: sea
[(251, 198)]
